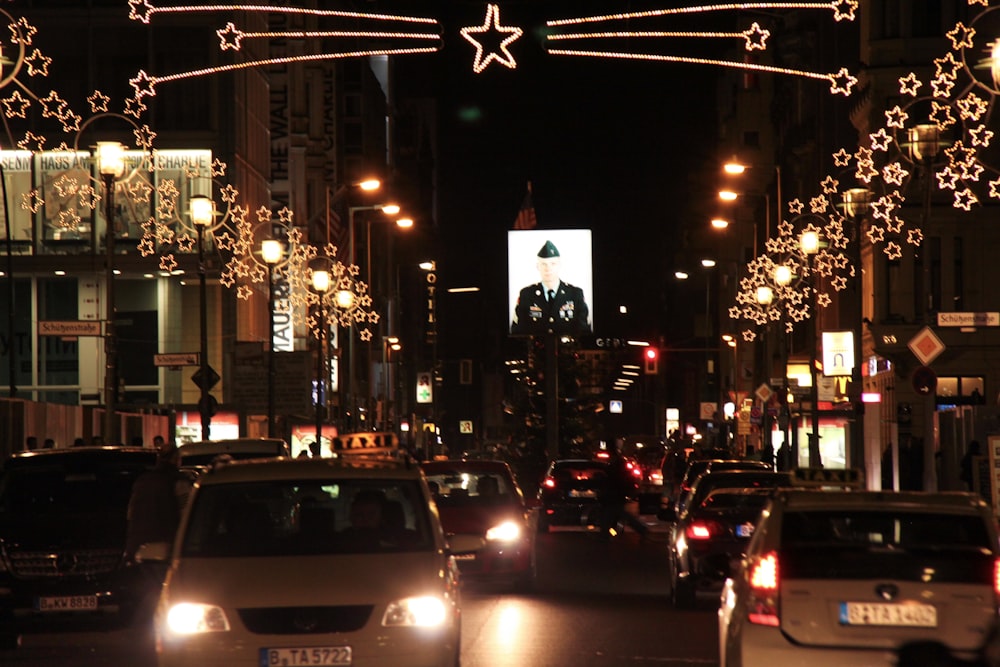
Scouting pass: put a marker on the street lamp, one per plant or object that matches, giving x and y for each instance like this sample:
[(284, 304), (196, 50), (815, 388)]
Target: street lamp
[(390, 345), (809, 244), (271, 252), (202, 211), (111, 164), (320, 284)]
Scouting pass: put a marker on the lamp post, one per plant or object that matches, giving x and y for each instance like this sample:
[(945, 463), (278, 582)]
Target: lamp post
[(271, 252), (809, 244), (320, 284), (390, 345), (352, 211), (202, 210), (857, 202), (783, 278), (111, 163)]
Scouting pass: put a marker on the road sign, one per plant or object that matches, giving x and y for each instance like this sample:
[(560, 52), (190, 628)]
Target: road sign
[(991, 319), (924, 381), (69, 328), (763, 393), (176, 359), (465, 426), (210, 381), (926, 346)]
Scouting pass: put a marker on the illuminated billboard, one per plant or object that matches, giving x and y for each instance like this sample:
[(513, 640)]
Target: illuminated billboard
[(550, 281)]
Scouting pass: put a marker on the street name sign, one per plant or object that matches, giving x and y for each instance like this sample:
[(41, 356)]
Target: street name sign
[(968, 319), (176, 359), (69, 328)]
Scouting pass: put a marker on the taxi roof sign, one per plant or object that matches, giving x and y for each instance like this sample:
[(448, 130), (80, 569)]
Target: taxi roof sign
[(828, 477)]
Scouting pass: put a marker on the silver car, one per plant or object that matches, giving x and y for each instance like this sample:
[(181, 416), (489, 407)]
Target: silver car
[(845, 577), (326, 562)]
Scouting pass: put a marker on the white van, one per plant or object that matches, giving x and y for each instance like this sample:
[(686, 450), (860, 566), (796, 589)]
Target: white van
[(205, 452)]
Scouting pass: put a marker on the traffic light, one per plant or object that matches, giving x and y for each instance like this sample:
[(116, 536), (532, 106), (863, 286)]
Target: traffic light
[(652, 358)]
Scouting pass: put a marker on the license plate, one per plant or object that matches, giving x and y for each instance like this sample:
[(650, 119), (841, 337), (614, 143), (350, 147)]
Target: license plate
[(586, 493), (888, 614), (68, 603), (324, 656)]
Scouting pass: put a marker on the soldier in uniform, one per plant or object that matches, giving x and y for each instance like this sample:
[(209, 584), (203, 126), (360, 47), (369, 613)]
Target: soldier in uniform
[(550, 305)]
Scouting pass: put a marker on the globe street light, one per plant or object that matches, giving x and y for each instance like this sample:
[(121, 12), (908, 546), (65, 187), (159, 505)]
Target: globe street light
[(110, 157), (320, 284), (202, 211), (271, 252)]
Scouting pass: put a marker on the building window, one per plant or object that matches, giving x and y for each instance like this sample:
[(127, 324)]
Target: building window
[(961, 390)]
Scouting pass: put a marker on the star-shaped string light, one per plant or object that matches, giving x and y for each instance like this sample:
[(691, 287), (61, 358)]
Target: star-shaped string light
[(491, 27)]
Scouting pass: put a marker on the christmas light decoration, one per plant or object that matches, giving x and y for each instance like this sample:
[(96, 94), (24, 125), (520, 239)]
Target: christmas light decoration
[(491, 24)]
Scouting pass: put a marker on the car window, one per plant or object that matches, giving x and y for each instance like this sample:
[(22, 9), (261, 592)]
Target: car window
[(734, 479), (301, 517), (724, 499), (56, 489), (470, 488), (905, 530)]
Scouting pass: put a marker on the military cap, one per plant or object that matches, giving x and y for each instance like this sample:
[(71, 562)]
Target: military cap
[(548, 250)]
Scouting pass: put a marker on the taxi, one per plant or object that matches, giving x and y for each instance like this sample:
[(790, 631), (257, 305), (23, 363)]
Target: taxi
[(836, 576), (310, 562)]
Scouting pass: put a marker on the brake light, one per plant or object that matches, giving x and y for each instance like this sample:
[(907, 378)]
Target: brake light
[(549, 483), (656, 477), (702, 530), (996, 577), (764, 580)]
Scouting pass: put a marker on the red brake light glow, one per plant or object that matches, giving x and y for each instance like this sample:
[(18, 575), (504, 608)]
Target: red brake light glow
[(549, 483), (763, 607), (699, 530), (996, 576)]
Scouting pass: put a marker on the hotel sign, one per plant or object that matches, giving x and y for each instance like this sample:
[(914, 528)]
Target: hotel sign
[(968, 319)]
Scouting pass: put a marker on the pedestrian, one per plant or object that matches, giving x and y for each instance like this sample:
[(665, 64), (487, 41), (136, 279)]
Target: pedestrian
[(614, 495), (31, 443), (967, 464), (49, 444), (158, 442), (79, 442), (158, 497)]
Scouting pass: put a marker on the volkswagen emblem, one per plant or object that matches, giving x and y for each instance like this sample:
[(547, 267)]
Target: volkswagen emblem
[(67, 562)]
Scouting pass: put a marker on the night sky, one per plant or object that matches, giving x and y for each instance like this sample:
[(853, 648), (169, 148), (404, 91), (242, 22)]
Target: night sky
[(615, 146)]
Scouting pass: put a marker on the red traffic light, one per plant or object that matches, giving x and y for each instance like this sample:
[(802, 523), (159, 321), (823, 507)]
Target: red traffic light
[(652, 356)]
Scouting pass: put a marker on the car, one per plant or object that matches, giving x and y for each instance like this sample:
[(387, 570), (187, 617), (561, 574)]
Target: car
[(62, 539), (710, 537), (696, 467), (331, 561), (568, 493), (483, 499), (207, 452), (836, 576)]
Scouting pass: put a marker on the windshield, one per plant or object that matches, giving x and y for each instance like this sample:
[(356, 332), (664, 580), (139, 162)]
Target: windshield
[(296, 517), (58, 489)]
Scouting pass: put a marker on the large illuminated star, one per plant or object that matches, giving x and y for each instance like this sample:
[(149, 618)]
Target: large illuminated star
[(491, 24)]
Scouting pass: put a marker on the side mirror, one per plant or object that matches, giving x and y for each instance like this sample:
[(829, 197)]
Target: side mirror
[(153, 552), (465, 543)]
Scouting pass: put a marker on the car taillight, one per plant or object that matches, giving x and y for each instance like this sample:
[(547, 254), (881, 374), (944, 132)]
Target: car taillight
[(656, 477), (764, 580), (549, 483), (996, 577), (702, 530)]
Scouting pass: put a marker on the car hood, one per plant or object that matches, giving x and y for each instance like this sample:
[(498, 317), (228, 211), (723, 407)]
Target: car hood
[(476, 520), (306, 580), (91, 530)]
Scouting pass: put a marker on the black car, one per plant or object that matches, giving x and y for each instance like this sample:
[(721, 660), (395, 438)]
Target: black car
[(701, 553), (569, 493), (62, 539), (697, 467)]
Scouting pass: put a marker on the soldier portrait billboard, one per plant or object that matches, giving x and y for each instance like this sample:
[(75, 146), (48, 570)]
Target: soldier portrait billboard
[(550, 281)]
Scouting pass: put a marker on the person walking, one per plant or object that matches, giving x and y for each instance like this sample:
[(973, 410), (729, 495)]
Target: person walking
[(614, 495)]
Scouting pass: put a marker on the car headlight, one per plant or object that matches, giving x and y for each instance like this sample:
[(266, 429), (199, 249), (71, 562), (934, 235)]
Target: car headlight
[(189, 618), (426, 611), (508, 531)]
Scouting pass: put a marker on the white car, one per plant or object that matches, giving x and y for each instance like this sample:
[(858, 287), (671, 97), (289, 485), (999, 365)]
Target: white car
[(844, 577), (298, 562)]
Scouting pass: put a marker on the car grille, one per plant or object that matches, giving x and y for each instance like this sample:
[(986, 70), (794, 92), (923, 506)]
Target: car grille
[(62, 564), (305, 620)]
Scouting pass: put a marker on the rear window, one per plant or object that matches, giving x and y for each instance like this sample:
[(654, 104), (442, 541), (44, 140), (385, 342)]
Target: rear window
[(919, 546), (456, 488), (300, 517)]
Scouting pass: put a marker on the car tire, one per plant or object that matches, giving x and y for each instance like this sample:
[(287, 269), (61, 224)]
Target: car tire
[(682, 593)]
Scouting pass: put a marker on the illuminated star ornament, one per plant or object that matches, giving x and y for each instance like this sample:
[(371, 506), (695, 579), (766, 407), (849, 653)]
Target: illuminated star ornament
[(491, 25)]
